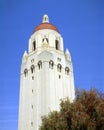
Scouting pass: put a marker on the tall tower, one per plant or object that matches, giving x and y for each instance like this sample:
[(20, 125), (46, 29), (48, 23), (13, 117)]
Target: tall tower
[(46, 76)]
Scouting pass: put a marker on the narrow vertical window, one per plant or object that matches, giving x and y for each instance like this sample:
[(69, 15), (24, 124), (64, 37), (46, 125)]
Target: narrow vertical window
[(39, 65), (32, 124), (32, 106), (25, 72), (32, 77), (34, 46), (57, 44), (32, 69), (51, 64), (59, 76), (59, 67), (67, 71)]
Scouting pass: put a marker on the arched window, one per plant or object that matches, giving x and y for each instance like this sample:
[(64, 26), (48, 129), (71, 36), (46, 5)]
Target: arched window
[(34, 46), (57, 45), (51, 64), (32, 69), (67, 70), (59, 67), (25, 72), (39, 65)]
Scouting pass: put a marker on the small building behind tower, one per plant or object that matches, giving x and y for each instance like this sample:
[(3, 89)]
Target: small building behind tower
[(46, 76)]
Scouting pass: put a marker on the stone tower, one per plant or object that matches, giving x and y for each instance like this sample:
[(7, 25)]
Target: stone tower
[(46, 76)]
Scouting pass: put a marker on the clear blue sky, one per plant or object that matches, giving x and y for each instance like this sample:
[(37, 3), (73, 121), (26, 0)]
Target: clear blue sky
[(81, 24)]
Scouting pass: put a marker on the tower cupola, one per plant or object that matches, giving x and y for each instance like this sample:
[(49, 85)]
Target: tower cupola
[(46, 35)]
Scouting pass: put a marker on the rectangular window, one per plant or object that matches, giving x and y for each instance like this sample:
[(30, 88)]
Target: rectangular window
[(32, 77), (59, 76), (32, 106), (32, 124)]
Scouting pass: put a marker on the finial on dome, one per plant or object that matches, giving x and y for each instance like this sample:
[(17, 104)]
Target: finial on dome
[(45, 19)]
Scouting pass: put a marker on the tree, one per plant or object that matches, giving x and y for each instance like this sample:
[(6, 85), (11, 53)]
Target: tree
[(86, 112)]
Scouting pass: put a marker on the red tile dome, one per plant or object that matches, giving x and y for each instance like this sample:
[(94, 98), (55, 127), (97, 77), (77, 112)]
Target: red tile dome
[(46, 26)]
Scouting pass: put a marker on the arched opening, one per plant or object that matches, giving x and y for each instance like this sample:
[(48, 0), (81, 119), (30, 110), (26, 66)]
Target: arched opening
[(57, 45), (32, 69), (59, 67), (34, 46), (51, 64), (25, 72), (67, 71), (39, 65)]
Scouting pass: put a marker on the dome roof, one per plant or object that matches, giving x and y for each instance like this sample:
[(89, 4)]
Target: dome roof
[(46, 25)]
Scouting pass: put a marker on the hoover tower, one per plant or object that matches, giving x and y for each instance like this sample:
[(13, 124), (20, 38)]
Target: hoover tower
[(46, 75)]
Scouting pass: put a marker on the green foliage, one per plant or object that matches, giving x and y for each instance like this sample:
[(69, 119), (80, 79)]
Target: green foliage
[(85, 113), (54, 121)]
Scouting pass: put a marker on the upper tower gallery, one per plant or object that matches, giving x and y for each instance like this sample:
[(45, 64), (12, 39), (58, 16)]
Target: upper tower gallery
[(45, 34)]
